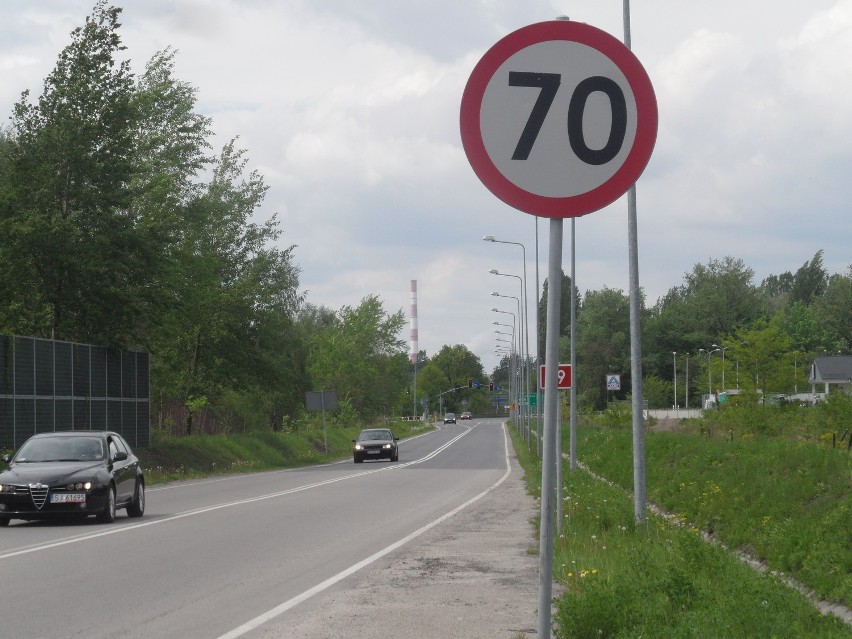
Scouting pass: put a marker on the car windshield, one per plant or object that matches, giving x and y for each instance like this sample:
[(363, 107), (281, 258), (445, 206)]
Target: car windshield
[(52, 449), (373, 435)]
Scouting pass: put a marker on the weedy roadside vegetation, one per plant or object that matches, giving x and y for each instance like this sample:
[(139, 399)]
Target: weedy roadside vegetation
[(173, 458), (778, 493)]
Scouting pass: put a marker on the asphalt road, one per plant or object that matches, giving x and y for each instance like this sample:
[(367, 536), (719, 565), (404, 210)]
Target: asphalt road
[(234, 556)]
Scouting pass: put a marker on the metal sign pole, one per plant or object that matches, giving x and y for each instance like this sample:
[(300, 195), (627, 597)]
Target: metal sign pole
[(551, 407), (639, 497)]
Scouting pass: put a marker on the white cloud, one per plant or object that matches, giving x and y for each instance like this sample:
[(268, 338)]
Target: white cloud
[(350, 112)]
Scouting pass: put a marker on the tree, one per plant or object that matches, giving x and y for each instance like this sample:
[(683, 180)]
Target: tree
[(810, 281), (565, 313), (76, 262), (764, 356), (603, 341), (362, 357), (231, 286), (452, 367), (834, 311)]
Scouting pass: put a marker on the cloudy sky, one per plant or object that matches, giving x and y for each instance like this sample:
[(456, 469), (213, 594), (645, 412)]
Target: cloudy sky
[(350, 110)]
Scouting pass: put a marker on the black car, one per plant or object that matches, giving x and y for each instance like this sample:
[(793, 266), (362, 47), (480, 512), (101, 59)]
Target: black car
[(71, 474), (375, 443), (450, 418)]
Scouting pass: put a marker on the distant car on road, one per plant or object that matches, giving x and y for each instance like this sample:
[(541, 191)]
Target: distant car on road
[(465, 415), (375, 443), (71, 475), (450, 418)]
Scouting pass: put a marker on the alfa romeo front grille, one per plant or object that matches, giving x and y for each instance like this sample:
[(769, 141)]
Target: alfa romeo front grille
[(38, 492)]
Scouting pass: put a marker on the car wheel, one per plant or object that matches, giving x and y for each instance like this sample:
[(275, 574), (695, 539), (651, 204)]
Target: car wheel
[(108, 515), (395, 456), (4, 521), (137, 506), (358, 460)]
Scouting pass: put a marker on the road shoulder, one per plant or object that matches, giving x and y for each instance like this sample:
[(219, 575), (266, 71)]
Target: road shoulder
[(472, 576)]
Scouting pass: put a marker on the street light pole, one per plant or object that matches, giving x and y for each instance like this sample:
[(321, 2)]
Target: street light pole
[(709, 370), (524, 352), (674, 362), (491, 238), (524, 377)]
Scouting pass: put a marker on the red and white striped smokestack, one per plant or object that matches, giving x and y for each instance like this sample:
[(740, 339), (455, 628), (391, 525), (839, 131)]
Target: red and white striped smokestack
[(412, 353)]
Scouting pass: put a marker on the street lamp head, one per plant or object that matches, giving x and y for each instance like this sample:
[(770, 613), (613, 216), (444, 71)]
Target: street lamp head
[(495, 293), (494, 271), (496, 310), (488, 238)]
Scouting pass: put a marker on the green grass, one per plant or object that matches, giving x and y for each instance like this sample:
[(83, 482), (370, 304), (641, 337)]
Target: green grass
[(661, 579), (785, 502), (171, 458)]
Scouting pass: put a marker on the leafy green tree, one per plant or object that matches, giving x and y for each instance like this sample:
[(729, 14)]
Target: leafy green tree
[(76, 263), (658, 392), (603, 343), (565, 317), (765, 357), (362, 357), (452, 367), (235, 294), (809, 281), (834, 311)]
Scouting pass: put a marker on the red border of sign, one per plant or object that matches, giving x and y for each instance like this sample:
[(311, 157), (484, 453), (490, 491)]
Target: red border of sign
[(637, 158)]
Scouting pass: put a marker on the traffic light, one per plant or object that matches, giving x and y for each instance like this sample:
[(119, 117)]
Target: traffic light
[(408, 390), (470, 382), (491, 386)]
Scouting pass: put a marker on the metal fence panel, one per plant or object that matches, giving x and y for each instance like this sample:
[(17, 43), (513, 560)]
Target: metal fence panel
[(48, 385)]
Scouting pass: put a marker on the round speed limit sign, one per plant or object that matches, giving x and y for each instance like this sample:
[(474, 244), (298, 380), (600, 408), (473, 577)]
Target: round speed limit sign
[(558, 119)]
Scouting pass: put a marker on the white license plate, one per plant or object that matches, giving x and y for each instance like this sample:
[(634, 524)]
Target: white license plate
[(373, 452), (67, 498)]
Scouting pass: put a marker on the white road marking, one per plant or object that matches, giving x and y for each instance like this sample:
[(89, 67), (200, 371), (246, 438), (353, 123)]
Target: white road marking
[(295, 601), (240, 502)]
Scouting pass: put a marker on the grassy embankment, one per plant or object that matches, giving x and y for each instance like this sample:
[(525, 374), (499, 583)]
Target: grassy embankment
[(786, 502), (168, 459)]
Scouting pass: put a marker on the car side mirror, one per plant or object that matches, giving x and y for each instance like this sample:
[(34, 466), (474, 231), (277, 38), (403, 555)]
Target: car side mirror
[(119, 456), (353, 441), (396, 439)]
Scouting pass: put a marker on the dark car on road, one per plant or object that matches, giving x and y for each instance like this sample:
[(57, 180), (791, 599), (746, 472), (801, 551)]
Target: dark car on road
[(450, 418), (375, 443), (466, 415), (71, 475)]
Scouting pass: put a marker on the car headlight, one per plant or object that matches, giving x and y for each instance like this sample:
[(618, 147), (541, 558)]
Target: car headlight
[(80, 485), (5, 489), (359, 447), (387, 446)]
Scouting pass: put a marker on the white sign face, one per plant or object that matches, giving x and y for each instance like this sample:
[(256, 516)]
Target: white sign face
[(558, 119), (558, 149), (613, 382)]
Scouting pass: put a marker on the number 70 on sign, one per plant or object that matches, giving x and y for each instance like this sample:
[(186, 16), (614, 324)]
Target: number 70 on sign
[(563, 376)]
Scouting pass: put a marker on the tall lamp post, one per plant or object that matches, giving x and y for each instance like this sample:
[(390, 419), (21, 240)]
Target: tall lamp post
[(674, 376), (491, 238), (524, 353), (525, 372), (709, 370), (514, 328), (723, 349)]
